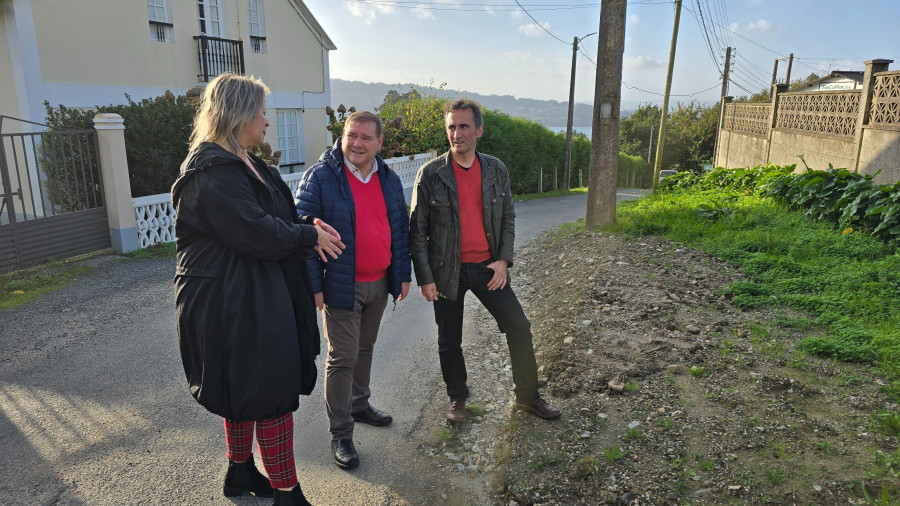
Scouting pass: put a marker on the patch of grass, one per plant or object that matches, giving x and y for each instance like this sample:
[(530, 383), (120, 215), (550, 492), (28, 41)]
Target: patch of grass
[(548, 194), (888, 422), (827, 447), (776, 475), (632, 386), (634, 433), (795, 322), (664, 423), (533, 434), (545, 461), (697, 371), (757, 330), (724, 348), (600, 423), (613, 453), (20, 288), (160, 250), (707, 465), (475, 409), (585, 467), (445, 434), (566, 230)]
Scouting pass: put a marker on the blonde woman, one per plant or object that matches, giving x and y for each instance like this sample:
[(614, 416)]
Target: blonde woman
[(246, 317)]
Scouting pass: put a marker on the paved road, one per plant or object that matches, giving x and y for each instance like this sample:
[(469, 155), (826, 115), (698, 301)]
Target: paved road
[(94, 407)]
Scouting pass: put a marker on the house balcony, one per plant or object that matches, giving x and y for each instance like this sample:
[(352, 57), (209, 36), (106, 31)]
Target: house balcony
[(219, 55)]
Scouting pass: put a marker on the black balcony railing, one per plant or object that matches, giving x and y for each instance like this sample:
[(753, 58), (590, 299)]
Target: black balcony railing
[(219, 55), (257, 44)]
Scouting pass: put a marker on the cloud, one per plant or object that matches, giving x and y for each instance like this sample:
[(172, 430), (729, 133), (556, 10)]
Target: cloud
[(634, 19), (366, 12), (423, 12), (641, 63), (517, 56), (733, 27), (533, 29), (760, 26)]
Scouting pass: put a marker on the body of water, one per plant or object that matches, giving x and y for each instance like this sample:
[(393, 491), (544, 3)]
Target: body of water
[(586, 130)]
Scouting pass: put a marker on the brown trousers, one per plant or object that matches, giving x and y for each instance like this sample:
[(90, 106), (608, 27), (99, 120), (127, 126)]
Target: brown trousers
[(351, 336)]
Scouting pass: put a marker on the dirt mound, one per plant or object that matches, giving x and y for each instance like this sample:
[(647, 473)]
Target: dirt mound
[(672, 394)]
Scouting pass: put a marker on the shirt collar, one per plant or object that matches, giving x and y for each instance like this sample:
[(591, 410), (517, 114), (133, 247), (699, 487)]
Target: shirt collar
[(356, 172)]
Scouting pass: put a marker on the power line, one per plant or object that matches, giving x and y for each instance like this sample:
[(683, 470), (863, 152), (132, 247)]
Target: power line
[(701, 22), (539, 24), (630, 87)]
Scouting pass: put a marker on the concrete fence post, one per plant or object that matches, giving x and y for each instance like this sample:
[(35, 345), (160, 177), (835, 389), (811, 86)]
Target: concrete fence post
[(725, 100), (865, 101), (116, 186), (777, 89)]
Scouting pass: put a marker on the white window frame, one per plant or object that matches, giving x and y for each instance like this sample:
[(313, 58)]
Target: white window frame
[(256, 17), (159, 13), (289, 124), (213, 22)]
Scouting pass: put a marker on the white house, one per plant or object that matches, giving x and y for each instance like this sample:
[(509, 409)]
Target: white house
[(836, 81), (82, 53)]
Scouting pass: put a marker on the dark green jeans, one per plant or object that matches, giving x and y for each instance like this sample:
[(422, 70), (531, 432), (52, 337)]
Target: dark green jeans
[(505, 308)]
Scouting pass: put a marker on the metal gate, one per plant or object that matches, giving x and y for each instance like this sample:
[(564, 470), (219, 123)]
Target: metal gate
[(51, 194)]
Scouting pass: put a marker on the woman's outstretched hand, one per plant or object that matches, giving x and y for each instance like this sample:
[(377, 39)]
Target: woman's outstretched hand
[(329, 240)]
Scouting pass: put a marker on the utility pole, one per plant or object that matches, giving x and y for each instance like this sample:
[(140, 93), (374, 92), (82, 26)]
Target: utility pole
[(650, 143), (661, 140), (787, 76), (567, 168), (601, 204), (725, 77)]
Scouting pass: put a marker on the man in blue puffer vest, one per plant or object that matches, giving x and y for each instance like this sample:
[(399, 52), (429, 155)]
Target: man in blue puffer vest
[(352, 189)]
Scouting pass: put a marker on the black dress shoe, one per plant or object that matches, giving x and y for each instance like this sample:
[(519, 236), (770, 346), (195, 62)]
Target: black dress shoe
[(372, 416), (344, 453)]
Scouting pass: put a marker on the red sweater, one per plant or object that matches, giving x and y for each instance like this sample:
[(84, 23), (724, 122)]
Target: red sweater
[(373, 232), (474, 245)]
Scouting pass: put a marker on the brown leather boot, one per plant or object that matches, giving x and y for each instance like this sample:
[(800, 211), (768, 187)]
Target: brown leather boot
[(540, 408), (456, 411)]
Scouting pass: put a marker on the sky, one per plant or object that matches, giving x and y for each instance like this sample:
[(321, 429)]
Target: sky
[(525, 49)]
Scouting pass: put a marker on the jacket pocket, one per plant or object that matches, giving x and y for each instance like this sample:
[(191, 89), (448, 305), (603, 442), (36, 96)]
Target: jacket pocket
[(441, 211)]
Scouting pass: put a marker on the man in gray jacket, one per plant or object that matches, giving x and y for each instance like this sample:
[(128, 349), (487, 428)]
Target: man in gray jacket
[(462, 230)]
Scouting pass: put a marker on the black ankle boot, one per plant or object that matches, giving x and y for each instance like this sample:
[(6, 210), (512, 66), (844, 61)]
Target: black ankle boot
[(293, 497), (244, 477)]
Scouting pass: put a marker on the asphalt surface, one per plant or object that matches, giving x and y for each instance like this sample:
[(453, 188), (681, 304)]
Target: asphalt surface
[(94, 407)]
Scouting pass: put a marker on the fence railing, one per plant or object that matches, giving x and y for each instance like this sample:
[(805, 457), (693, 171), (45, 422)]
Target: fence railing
[(155, 214), (750, 119), (885, 109), (48, 173), (832, 113), (219, 55)]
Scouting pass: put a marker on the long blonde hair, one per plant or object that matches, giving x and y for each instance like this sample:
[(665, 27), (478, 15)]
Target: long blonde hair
[(229, 101)]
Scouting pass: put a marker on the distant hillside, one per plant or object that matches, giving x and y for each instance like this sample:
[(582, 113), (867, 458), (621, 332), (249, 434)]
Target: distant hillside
[(368, 96)]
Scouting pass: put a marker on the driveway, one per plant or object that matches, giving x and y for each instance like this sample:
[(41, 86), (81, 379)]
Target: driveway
[(94, 407)]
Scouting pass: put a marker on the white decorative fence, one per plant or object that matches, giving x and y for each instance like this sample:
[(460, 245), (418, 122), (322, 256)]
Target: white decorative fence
[(156, 216)]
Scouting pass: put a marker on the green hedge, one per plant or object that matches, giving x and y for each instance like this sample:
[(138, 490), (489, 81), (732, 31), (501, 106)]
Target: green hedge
[(156, 136)]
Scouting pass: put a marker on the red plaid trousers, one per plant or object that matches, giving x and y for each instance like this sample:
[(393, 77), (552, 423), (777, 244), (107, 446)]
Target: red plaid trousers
[(275, 439)]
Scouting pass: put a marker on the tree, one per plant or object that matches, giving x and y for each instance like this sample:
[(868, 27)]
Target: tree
[(691, 134)]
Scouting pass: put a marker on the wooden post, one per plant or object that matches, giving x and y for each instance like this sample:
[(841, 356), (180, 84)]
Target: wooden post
[(663, 123)]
